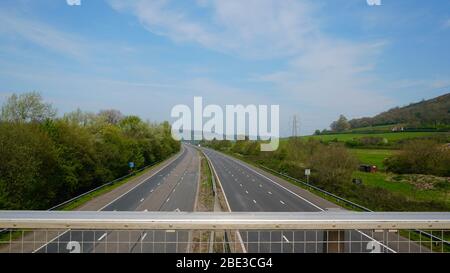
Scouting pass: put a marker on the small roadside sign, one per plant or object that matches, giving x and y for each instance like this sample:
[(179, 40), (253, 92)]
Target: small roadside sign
[(307, 174), (131, 165)]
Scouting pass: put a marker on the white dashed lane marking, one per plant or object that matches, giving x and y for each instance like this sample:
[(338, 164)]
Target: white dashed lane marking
[(102, 237)]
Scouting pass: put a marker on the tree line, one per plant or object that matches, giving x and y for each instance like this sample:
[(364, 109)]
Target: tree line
[(433, 114), (45, 159)]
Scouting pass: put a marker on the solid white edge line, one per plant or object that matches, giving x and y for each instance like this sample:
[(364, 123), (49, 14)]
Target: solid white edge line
[(281, 186), (168, 163), (143, 180), (226, 200), (102, 237), (277, 184)]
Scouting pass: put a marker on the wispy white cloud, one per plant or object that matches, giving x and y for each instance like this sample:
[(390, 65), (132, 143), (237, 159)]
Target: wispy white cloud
[(336, 79), (73, 2), (251, 28), (18, 28), (150, 99), (330, 74), (159, 19), (43, 35), (321, 71)]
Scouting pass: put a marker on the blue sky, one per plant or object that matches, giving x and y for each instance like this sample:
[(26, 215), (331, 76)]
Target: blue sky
[(316, 59)]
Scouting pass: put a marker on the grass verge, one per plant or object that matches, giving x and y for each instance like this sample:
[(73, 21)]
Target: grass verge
[(408, 190), (205, 203), (206, 198), (376, 180), (372, 156), (293, 182)]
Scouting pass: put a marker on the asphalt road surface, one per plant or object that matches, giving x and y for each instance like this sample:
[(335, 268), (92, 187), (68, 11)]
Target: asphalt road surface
[(250, 189), (172, 188)]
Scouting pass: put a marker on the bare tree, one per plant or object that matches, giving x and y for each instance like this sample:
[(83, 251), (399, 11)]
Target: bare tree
[(111, 116), (80, 117), (28, 107)]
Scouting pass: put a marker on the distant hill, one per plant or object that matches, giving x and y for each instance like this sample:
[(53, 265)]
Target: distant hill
[(433, 113)]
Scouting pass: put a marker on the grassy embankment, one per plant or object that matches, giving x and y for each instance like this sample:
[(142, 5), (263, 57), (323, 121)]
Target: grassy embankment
[(406, 185), (401, 192), (417, 187)]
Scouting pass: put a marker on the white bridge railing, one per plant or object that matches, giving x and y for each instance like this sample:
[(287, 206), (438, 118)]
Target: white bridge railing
[(223, 220), (57, 231)]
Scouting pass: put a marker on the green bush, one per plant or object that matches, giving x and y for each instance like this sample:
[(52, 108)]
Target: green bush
[(424, 156), (332, 166), (47, 161)]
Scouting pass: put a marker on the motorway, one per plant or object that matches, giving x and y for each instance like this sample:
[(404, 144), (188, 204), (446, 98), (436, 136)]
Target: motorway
[(247, 188), (172, 188)]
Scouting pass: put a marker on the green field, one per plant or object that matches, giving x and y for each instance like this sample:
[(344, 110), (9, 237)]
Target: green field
[(391, 137), (408, 190), (383, 180), (372, 156)]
